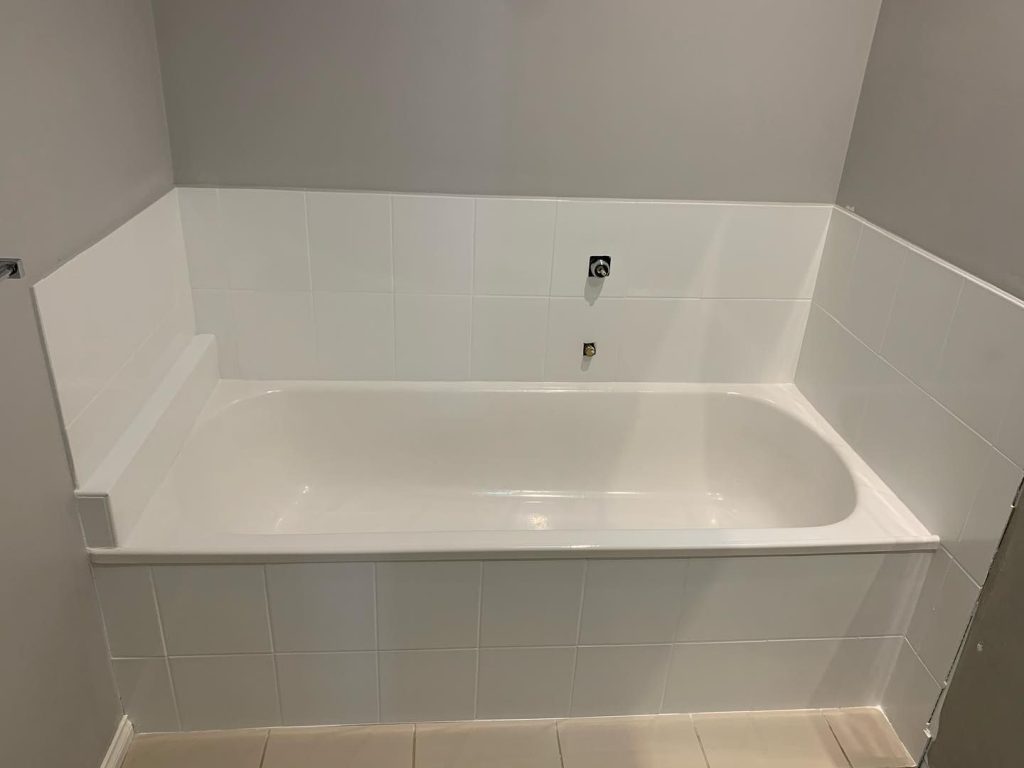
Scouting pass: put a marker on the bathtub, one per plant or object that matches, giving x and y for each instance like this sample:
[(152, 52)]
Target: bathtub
[(342, 470)]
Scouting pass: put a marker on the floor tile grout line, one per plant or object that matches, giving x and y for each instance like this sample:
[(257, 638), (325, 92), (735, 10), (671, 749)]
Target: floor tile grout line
[(835, 736), (266, 743), (700, 743)]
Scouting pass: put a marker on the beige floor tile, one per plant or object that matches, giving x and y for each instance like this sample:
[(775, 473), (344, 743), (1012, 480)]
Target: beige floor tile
[(867, 738), (662, 741), (356, 746), (207, 749), (527, 744), (769, 740)]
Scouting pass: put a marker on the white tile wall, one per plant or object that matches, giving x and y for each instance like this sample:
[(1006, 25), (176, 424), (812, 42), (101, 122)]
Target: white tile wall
[(782, 674), (115, 318), (314, 643), (909, 700), (431, 253), (915, 363)]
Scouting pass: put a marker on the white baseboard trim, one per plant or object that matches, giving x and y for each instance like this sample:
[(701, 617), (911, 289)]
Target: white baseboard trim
[(119, 744)]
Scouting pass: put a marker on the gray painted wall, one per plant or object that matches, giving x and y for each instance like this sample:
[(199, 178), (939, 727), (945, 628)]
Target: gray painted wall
[(703, 99), (937, 152), (83, 147)]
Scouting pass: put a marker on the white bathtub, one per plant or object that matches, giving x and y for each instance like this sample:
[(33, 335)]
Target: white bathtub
[(324, 470)]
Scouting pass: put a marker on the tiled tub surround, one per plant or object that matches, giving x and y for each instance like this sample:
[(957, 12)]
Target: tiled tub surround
[(918, 366), (222, 646), (331, 285)]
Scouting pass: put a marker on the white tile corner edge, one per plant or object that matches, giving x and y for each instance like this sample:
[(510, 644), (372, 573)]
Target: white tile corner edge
[(130, 473), (119, 743)]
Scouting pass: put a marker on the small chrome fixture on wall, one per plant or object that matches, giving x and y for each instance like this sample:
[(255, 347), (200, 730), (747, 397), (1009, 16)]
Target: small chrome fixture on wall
[(11, 268), (600, 267), (589, 349)]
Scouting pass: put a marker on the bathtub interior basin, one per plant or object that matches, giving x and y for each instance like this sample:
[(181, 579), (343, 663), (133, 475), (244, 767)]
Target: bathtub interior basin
[(404, 468)]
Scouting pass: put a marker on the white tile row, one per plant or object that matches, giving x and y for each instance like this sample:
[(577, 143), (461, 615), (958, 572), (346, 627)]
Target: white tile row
[(914, 363), (280, 240), (115, 318), (380, 336), (237, 645), (224, 609), (264, 689)]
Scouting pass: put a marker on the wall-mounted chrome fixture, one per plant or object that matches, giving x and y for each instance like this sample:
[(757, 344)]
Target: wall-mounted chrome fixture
[(600, 266), (11, 268), (589, 349)]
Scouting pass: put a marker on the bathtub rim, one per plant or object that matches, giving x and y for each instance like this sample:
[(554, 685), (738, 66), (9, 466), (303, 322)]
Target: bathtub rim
[(883, 525)]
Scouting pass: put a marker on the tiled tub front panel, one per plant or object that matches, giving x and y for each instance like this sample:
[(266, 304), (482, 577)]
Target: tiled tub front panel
[(332, 285), (214, 646)]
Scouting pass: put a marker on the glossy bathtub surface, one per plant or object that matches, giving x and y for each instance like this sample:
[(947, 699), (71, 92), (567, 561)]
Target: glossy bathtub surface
[(451, 467)]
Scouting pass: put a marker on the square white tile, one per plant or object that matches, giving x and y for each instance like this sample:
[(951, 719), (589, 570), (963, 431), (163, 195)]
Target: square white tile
[(592, 228), (619, 679), (509, 337), (837, 372), (778, 674), (806, 596), (265, 233), (668, 741), (750, 340), (909, 699), (632, 601), (144, 686), (204, 237), (432, 336), (924, 453), (981, 372), (571, 323), (530, 602), (943, 612), (524, 682), (660, 339), (216, 692), (322, 606), (496, 745), (766, 252), (670, 248), (840, 249), (350, 241), (433, 244), (215, 749), (790, 739), (129, 610), (428, 604), (274, 334), (926, 296), (871, 286), (378, 746), (514, 244), (355, 335), (417, 686), (867, 739), (212, 609), (976, 545), (327, 688)]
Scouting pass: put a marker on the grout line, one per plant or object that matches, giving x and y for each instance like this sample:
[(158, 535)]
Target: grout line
[(376, 638), (558, 743), (273, 650), (700, 743), (836, 737), (266, 743), (163, 643), (916, 386), (479, 621)]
